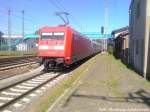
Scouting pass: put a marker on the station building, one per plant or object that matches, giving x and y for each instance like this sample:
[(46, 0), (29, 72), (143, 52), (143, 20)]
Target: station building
[(117, 32), (2, 40), (121, 44), (20, 43), (139, 29), (29, 43)]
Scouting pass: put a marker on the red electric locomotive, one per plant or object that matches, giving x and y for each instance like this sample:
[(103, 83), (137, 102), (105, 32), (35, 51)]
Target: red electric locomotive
[(62, 46)]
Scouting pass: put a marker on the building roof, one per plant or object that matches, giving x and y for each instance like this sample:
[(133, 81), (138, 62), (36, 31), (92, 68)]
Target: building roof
[(123, 35), (31, 36), (120, 30), (12, 36)]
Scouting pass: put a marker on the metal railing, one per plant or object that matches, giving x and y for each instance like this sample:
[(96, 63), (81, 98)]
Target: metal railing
[(12, 50)]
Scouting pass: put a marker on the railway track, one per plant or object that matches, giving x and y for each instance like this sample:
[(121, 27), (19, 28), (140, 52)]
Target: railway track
[(16, 96), (6, 64), (18, 91)]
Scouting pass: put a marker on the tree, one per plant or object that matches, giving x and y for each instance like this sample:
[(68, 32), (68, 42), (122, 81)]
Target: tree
[(36, 32), (1, 33)]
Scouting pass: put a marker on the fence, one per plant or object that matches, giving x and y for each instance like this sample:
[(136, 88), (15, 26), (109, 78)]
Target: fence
[(16, 50)]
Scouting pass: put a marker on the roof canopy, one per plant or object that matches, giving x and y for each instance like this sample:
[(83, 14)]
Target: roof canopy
[(96, 35)]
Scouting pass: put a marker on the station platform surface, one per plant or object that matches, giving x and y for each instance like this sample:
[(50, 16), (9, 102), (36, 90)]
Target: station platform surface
[(106, 86)]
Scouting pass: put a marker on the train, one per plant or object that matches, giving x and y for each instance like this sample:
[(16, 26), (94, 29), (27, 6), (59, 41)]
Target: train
[(62, 46)]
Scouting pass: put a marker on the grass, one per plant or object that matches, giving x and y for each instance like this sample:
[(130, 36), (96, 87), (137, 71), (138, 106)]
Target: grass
[(5, 54), (45, 102), (113, 85), (146, 83), (56, 93), (130, 70), (113, 80)]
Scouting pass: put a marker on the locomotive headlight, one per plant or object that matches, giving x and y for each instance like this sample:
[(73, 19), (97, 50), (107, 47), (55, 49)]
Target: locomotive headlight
[(59, 47), (43, 47)]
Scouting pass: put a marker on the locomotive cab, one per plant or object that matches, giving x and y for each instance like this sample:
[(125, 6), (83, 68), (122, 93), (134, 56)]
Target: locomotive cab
[(51, 48)]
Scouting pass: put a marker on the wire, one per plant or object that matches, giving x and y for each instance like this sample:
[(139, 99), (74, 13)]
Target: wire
[(58, 2), (18, 17), (64, 9), (27, 18), (54, 5)]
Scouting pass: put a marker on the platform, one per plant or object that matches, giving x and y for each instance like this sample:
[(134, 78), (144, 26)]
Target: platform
[(107, 86)]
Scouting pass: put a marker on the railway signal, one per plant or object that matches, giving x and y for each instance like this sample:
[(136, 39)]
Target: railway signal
[(102, 30)]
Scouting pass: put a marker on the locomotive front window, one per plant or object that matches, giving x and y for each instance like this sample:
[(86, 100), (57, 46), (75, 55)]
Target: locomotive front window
[(53, 36)]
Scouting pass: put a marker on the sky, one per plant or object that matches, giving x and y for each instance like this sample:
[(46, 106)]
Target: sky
[(84, 15)]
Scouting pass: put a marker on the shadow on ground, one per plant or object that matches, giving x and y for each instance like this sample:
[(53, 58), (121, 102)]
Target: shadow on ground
[(71, 67), (139, 97), (131, 67)]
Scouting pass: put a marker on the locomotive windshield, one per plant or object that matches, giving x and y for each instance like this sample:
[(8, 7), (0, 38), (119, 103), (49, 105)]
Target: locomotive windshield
[(53, 36)]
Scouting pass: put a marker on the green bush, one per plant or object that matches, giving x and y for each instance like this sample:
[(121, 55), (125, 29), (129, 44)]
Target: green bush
[(110, 49), (17, 53)]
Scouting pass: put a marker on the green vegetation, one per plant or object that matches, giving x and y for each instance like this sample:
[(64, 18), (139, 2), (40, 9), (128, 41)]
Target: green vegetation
[(113, 80), (6, 54), (146, 83), (43, 104), (110, 49), (114, 86), (121, 68), (116, 76)]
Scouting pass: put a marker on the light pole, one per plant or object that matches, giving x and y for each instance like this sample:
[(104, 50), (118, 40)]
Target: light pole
[(22, 30), (9, 30), (106, 23)]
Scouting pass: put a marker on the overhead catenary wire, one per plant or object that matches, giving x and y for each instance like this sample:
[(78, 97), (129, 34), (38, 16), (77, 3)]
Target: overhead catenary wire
[(60, 4), (28, 17), (73, 18), (3, 14), (60, 13), (54, 5), (4, 21), (60, 7), (17, 14), (20, 18)]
